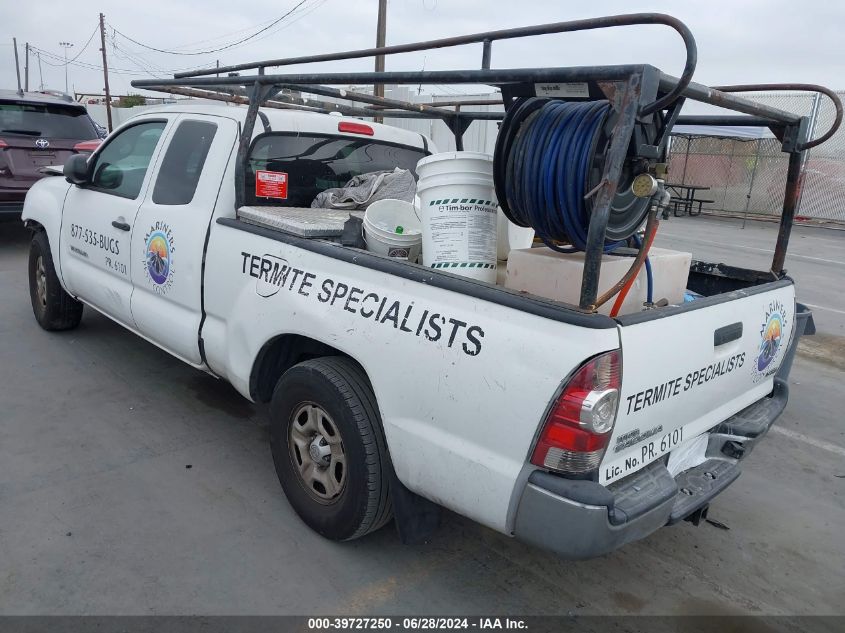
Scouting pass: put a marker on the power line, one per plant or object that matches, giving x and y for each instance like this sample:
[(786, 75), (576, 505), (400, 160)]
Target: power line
[(215, 50), (302, 14), (94, 32), (144, 62), (223, 36), (85, 65), (121, 53), (46, 55), (145, 67)]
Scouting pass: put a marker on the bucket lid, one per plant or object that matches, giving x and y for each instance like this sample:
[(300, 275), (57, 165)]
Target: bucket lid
[(441, 156)]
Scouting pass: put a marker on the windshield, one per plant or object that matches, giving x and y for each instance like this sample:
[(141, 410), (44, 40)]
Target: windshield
[(42, 120), (315, 162)]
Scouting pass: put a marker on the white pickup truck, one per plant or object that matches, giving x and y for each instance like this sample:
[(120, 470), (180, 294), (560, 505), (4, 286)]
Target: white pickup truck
[(394, 387)]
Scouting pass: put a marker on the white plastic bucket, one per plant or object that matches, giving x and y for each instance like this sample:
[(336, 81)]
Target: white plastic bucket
[(392, 228), (458, 208), (511, 236)]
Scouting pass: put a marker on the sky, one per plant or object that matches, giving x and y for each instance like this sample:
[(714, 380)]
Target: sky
[(739, 41)]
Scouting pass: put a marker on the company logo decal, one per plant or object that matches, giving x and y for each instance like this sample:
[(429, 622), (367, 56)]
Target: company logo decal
[(771, 340), (158, 257), (42, 143)]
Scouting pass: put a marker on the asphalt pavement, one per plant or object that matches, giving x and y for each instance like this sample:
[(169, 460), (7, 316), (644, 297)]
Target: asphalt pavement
[(133, 484), (815, 259)]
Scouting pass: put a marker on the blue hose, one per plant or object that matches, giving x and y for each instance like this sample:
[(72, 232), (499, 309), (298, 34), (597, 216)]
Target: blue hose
[(547, 169)]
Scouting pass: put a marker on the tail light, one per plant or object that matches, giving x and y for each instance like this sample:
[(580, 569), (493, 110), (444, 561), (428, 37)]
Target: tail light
[(3, 144), (87, 146), (578, 427), (355, 128)]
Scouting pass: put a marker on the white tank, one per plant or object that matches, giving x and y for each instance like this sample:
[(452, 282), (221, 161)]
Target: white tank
[(557, 276)]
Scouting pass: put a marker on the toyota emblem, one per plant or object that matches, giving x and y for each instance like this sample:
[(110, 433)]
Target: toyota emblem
[(42, 143)]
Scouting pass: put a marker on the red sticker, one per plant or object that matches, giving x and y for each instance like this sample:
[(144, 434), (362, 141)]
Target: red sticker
[(271, 184)]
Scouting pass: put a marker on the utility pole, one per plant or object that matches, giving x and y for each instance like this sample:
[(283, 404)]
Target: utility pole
[(26, 68), (17, 65), (381, 36), (65, 46), (40, 73), (105, 70)]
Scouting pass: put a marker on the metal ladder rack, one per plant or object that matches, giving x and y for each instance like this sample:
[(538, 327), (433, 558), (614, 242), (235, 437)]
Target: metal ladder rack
[(643, 97)]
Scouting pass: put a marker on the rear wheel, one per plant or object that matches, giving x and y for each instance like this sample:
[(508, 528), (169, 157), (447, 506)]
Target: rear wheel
[(329, 448), (54, 309)]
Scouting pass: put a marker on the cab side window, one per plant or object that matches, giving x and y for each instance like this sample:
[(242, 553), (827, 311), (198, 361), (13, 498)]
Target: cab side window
[(122, 164), (182, 166)]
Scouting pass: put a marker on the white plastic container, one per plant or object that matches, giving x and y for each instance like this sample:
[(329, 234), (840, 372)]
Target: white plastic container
[(458, 209), (511, 236), (393, 228), (545, 273)]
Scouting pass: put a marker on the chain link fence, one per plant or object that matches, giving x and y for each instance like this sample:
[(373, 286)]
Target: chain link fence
[(749, 175)]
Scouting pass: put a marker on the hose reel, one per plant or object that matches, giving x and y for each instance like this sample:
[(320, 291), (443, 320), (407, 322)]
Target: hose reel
[(550, 155)]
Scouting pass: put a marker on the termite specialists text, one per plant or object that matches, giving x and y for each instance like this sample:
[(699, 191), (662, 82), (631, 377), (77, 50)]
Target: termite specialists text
[(274, 274)]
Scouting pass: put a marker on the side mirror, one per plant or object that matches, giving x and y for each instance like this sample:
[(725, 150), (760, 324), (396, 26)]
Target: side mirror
[(76, 169)]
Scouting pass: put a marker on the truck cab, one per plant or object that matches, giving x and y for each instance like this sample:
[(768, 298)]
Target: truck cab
[(146, 202)]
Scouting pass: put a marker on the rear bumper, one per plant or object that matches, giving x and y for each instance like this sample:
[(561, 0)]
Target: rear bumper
[(11, 202), (583, 519), (10, 209)]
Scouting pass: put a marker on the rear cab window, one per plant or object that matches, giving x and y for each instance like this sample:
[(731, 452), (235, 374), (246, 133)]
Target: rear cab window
[(316, 162), (46, 121), (181, 168)]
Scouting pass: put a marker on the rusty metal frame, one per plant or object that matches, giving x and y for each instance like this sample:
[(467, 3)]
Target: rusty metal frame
[(640, 92)]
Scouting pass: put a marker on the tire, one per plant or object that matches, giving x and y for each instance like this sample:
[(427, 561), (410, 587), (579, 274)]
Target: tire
[(324, 413), (54, 309)]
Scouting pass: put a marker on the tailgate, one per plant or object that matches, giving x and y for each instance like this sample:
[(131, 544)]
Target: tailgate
[(22, 159), (689, 368)]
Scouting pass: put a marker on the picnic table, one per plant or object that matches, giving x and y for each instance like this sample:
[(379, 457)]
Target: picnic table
[(683, 198)]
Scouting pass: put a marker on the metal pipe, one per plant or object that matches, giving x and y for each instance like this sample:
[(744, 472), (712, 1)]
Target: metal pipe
[(232, 97), (694, 91), (328, 91), (732, 120), (486, 53), (830, 94), (706, 94), (459, 133), (631, 19), (244, 143), (287, 102), (794, 183), (446, 104), (650, 227), (475, 76)]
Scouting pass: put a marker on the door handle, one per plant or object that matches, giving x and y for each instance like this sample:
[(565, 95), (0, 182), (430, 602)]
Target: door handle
[(727, 334), (123, 226)]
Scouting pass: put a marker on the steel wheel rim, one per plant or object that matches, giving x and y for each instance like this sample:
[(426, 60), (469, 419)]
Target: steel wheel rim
[(41, 281), (317, 453)]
